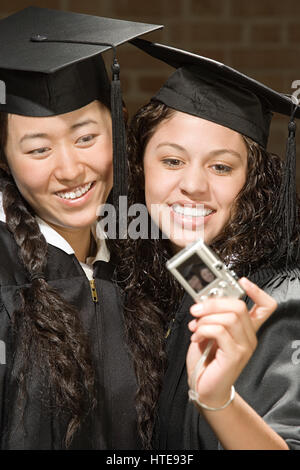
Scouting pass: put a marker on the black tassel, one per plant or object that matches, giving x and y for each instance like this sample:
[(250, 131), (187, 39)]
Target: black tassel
[(119, 145), (287, 216)]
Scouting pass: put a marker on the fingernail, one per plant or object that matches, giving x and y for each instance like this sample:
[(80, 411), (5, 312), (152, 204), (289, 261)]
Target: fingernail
[(246, 282), (197, 308)]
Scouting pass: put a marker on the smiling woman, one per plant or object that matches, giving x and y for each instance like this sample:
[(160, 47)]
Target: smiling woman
[(56, 157), (198, 160)]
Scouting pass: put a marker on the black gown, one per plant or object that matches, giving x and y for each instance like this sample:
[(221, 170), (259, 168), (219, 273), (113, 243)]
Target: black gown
[(270, 382), (112, 425)]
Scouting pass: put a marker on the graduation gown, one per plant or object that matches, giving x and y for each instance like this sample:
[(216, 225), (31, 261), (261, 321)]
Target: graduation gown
[(112, 425), (270, 382)]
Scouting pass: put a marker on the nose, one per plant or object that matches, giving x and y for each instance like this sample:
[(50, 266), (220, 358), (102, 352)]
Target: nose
[(194, 182), (68, 165)]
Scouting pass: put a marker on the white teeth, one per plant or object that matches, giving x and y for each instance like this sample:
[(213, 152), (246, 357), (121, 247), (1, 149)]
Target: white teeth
[(77, 193), (198, 211)]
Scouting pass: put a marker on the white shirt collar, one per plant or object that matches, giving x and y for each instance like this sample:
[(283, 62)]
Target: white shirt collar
[(54, 238)]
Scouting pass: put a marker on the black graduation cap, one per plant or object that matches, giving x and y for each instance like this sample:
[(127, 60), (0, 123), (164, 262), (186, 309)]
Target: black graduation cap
[(50, 63), (213, 91)]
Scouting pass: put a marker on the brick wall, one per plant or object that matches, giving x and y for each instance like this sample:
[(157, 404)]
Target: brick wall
[(259, 37)]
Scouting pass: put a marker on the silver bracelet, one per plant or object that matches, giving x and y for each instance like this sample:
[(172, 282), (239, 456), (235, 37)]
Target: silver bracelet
[(193, 396)]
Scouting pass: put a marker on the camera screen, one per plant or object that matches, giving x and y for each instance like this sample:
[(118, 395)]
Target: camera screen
[(196, 273)]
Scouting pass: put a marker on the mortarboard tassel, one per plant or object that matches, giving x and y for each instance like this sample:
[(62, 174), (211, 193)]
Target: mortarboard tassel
[(119, 143), (287, 216)]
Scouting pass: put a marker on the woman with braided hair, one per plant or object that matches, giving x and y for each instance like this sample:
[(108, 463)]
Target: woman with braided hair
[(67, 379)]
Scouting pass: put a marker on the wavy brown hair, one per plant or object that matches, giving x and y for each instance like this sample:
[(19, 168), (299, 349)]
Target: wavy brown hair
[(151, 295), (47, 330)]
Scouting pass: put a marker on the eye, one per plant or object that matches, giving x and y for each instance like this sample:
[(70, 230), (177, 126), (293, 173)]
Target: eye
[(86, 139), (172, 162), (222, 169), (39, 151)]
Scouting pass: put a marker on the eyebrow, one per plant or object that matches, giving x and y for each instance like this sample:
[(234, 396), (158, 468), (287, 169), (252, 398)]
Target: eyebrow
[(230, 151), (170, 144), (40, 135), (33, 136), (214, 153), (83, 123)]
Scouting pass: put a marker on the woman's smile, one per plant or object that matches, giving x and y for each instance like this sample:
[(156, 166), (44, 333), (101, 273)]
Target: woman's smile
[(190, 215), (78, 196), (75, 193)]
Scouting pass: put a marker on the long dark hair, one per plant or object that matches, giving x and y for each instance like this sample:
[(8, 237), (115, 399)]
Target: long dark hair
[(47, 330), (151, 295)]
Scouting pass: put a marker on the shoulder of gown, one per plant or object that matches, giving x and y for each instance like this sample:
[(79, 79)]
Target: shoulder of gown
[(270, 381), (282, 283)]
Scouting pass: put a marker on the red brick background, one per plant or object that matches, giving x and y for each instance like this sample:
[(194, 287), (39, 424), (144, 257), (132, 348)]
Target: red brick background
[(259, 37)]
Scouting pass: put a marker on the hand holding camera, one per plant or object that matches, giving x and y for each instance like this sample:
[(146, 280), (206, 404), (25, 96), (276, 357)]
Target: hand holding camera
[(223, 331)]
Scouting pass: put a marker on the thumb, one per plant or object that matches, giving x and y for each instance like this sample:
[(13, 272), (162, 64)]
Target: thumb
[(264, 304)]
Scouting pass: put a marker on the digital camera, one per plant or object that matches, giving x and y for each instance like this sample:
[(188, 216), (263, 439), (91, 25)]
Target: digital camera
[(203, 274)]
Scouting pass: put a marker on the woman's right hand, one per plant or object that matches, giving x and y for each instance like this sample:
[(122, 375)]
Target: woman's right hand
[(233, 329)]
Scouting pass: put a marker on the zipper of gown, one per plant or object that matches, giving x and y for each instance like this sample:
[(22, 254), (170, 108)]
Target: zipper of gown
[(170, 328), (97, 349), (94, 291)]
